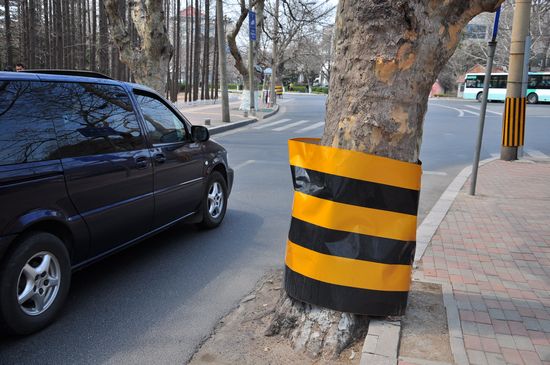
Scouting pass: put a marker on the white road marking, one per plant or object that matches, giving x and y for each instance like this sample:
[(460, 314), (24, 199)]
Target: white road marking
[(479, 108), (436, 173), (537, 154), (313, 126), (271, 124), (291, 125), (460, 111), (471, 112), (241, 165)]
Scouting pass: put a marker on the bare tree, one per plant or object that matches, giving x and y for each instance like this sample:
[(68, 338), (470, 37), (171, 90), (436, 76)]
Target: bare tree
[(377, 102), (149, 62)]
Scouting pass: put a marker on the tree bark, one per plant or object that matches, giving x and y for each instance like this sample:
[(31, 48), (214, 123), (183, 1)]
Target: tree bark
[(150, 60), (197, 52), (377, 102), (206, 56)]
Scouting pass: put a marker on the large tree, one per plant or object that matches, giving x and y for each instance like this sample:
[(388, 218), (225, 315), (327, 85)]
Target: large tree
[(388, 54), (149, 60)]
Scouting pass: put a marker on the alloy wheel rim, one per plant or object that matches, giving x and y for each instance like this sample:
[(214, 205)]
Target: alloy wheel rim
[(215, 200), (38, 283)]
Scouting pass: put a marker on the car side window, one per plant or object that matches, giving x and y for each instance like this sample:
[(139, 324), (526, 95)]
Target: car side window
[(94, 119), (26, 128), (163, 125)]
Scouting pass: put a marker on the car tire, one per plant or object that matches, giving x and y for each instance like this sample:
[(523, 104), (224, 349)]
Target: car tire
[(479, 97), (532, 98), (34, 283), (214, 202)]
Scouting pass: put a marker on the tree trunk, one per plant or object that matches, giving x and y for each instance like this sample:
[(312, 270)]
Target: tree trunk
[(9, 45), (206, 56), (377, 102), (93, 45), (197, 50), (149, 62)]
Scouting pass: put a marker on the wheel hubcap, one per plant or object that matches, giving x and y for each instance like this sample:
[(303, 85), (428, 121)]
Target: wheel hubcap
[(38, 283), (215, 200)]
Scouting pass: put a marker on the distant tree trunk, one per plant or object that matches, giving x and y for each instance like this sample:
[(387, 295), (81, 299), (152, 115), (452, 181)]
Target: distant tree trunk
[(234, 49), (47, 35), (9, 45), (187, 52), (214, 77), (196, 56), (149, 62), (103, 40), (377, 102), (93, 45), (59, 46), (206, 55)]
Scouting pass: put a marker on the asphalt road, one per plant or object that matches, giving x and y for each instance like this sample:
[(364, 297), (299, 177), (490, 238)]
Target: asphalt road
[(156, 302)]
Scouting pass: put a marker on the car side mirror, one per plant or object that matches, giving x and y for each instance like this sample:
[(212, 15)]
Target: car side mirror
[(199, 133)]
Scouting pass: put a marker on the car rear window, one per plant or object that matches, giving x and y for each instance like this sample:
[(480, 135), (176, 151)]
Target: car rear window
[(26, 131)]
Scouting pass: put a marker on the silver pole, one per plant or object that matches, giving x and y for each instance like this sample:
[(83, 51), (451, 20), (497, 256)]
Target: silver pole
[(475, 166)]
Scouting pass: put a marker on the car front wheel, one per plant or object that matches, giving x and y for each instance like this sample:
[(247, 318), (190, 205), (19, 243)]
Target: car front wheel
[(214, 201), (34, 283)]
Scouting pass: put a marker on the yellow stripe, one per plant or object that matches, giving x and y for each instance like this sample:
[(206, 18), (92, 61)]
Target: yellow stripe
[(351, 218), (516, 122), (504, 119), (522, 122), (347, 272), (308, 154)]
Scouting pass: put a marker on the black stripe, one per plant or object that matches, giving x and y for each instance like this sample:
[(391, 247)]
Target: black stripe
[(343, 298), (355, 192), (351, 245)]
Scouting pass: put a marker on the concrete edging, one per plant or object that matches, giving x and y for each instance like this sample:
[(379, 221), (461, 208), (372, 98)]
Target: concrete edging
[(267, 115), (381, 346), (231, 125)]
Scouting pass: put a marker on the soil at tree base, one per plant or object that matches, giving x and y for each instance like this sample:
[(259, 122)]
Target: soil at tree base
[(239, 337), (424, 331)]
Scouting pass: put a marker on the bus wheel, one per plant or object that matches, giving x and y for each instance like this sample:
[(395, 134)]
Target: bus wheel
[(479, 96), (532, 98)]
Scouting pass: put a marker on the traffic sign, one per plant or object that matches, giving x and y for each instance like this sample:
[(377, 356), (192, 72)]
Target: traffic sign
[(252, 25)]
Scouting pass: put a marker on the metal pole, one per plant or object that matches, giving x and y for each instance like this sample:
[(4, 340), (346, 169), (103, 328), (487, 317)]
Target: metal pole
[(489, 68), (251, 68), (525, 79), (226, 117), (275, 62), (490, 57)]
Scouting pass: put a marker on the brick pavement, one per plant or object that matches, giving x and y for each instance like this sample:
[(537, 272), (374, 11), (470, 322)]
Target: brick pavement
[(494, 251)]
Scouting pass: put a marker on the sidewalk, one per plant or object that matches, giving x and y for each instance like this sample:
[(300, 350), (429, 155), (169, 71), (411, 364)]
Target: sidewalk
[(491, 253), (197, 112)]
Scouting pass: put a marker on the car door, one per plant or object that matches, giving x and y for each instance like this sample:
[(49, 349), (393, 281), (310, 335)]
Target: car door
[(179, 163), (107, 165)]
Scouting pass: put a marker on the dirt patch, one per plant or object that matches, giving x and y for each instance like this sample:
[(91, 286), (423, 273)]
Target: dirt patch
[(424, 333), (239, 337)]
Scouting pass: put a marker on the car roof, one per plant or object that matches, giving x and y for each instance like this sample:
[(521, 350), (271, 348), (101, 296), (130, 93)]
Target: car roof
[(40, 76)]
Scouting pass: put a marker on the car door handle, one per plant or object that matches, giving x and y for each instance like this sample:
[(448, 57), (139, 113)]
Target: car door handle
[(141, 162), (160, 158)]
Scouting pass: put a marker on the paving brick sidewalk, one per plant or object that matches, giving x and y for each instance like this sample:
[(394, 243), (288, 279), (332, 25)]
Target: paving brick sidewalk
[(494, 251)]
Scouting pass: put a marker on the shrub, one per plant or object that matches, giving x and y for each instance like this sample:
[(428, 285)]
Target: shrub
[(320, 89)]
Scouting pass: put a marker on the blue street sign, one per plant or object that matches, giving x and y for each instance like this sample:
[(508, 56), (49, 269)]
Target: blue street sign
[(252, 25)]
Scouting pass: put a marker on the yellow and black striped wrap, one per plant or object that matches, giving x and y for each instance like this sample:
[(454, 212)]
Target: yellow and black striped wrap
[(352, 237), (513, 124)]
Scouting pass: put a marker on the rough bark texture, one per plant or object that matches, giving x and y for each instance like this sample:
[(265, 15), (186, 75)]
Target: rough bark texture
[(149, 60), (387, 56)]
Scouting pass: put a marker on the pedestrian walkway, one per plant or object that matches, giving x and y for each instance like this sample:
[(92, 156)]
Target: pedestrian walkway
[(493, 251)]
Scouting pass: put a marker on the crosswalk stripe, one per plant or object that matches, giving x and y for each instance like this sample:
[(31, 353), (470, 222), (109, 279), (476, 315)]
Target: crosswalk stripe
[(536, 154), (271, 124), (291, 125), (313, 126)]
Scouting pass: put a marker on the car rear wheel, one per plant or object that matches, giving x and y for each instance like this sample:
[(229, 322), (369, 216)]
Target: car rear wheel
[(532, 98), (34, 283), (214, 201)]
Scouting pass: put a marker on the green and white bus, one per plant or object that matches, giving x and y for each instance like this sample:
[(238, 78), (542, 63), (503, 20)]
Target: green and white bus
[(538, 87)]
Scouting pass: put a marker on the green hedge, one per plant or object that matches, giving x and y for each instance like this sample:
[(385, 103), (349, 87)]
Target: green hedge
[(319, 89)]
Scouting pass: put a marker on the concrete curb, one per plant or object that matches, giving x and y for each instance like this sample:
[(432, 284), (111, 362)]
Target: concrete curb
[(267, 115), (231, 125), (381, 344)]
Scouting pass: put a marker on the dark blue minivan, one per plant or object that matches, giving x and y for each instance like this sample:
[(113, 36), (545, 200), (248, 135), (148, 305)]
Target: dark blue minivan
[(90, 165)]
